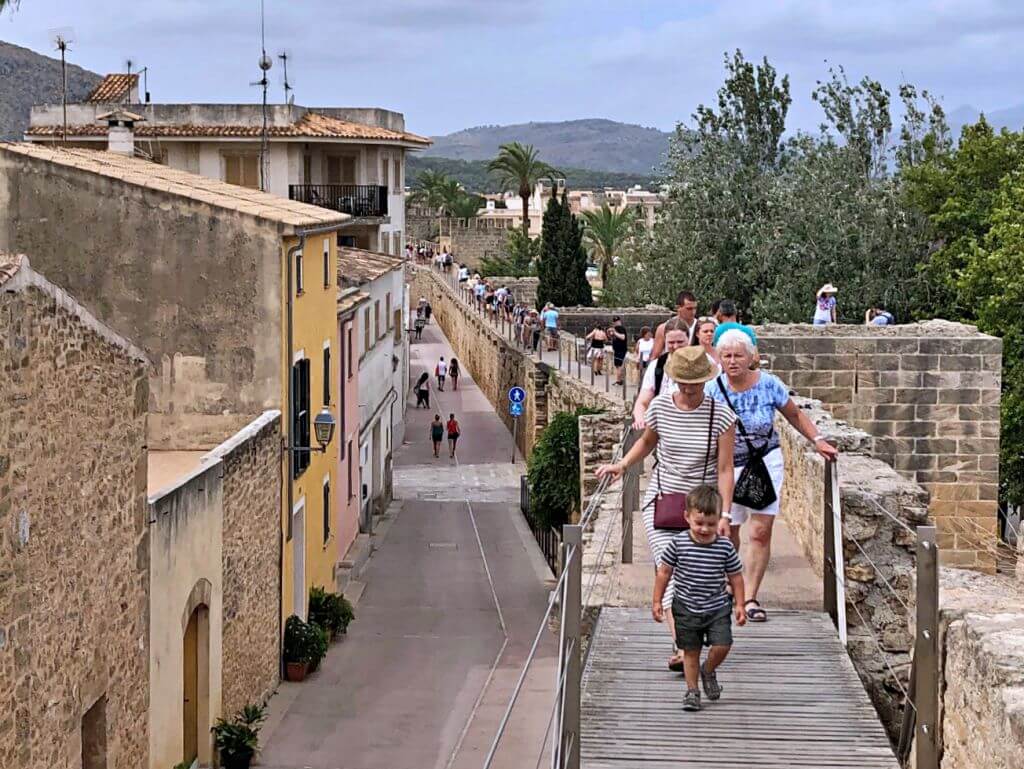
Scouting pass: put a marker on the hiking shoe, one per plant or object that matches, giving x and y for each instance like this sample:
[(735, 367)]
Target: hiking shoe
[(709, 680), (691, 701)]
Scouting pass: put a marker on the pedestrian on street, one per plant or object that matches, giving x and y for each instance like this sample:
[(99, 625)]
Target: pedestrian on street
[(620, 346), (825, 307), (453, 373), (693, 437), (755, 396), (453, 435), (437, 434), (418, 325), (441, 370), (422, 390), (427, 311)]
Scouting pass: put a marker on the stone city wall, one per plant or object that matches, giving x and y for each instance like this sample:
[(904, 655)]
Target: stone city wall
[(74, 544), (524, 290), (928, 395), (580, 321), (471, 241), (194, 286), (251, 551)]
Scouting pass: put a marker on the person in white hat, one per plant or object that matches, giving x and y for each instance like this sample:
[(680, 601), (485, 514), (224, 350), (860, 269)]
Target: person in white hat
[(825, 308)]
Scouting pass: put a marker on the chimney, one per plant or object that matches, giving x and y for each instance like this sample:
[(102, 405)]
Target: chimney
[(120, 130)]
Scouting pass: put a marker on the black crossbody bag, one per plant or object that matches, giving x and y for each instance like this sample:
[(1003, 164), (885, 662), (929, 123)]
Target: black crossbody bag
[(754, 487)]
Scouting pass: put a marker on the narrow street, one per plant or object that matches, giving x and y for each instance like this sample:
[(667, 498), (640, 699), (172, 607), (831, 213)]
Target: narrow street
[(454, 595)]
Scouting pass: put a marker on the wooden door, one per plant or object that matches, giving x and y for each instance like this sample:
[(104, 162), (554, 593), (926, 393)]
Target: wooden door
[(190, 690)]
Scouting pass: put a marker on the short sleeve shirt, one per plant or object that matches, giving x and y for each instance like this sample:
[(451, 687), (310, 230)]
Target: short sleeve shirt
[(755, 408), (699, 571), (685, 458), (668, 385), (550, 318), (823, 309)]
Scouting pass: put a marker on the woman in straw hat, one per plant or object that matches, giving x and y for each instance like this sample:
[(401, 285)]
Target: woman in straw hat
[(694, 437), (825, 308)]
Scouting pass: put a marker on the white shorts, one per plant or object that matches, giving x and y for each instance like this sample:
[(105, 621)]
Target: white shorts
[(773, 461), (595, 353)]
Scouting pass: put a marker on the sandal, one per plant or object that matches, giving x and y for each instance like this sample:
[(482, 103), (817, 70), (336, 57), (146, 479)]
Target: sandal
[(755, 613)]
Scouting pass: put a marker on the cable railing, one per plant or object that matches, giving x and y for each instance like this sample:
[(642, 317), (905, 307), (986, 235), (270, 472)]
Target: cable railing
[(920, 697)]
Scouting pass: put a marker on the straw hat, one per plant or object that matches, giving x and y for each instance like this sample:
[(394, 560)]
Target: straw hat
[(690, 365), (828, 288)]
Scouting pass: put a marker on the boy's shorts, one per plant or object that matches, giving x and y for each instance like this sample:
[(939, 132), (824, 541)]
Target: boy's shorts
[(697, 629)]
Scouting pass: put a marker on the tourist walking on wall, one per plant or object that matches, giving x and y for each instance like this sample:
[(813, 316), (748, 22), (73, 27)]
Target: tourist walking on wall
[(595, 354), (422, 390), (644, 346), (693, 438), (876, 316), (705, 336), (454, 431), (655, 382), (685, 318), (550, 320), (437, 434), (441, 371), (453, 373), (825, 306), (620, 346), (755, 396)]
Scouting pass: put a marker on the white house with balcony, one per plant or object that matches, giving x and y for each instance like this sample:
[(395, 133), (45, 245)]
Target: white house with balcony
[(344, 158)]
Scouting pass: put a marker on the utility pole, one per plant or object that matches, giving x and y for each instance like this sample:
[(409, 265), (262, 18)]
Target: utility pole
[(62, 45)]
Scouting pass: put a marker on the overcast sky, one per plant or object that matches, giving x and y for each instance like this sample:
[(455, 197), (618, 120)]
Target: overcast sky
[(451, 64)]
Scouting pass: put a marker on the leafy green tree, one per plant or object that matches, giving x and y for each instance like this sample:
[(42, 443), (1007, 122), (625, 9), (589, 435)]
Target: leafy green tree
[(562, 267), (605, 231), (518, 260), (518, 168), (555, 493), (428, 189), (464, 205)]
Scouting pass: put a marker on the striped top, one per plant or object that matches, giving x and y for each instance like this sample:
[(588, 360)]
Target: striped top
[(683, 443), (699, 571)]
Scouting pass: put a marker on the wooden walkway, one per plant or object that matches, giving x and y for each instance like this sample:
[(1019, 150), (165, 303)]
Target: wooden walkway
[(791, 698)]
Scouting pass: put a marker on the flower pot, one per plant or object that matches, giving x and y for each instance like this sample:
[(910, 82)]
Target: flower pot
[(295, 671), (235, 760)]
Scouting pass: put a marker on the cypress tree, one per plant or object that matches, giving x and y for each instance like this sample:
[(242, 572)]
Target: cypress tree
[(562, 268)]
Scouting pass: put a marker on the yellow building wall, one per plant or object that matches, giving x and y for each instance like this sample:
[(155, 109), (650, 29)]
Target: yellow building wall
[(315, 323)]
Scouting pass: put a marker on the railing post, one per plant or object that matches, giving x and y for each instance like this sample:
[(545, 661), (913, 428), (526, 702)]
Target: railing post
[(579, 369), (559, 340), (630, 493), (926, 650), (569, 737), (828, 570)]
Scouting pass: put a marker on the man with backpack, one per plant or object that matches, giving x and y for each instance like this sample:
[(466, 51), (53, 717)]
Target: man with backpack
[(654, 376)]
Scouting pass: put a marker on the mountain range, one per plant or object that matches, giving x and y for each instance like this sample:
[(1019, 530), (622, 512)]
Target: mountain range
[(28, 78)]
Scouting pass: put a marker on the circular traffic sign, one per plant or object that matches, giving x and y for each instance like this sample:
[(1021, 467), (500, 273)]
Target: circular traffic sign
[(517, 395)]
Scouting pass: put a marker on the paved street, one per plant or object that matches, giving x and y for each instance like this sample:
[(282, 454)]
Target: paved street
[(453, 598)]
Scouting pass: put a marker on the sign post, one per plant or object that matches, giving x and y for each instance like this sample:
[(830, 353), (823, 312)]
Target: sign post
[(516, 398)]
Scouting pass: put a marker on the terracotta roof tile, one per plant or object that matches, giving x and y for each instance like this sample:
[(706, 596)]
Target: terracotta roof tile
[(113, 88), (357, 266), (349, 299), (311, 125), (144, 173), (9, 264)]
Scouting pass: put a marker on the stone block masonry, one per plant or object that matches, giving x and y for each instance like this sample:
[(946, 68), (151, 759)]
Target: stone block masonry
[(74, 544), (928, 395)]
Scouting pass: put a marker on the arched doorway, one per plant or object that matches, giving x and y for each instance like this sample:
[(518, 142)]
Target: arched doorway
[(195, 683)]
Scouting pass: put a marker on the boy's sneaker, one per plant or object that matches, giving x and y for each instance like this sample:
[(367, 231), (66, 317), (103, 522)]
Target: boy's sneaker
[(709, 680), (691, 701)]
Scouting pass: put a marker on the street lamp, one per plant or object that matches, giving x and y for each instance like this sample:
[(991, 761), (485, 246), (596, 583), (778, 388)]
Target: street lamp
[(323, 429)]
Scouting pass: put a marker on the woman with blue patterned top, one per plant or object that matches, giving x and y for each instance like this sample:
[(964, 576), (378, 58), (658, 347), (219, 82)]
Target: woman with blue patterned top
[(755, 396)]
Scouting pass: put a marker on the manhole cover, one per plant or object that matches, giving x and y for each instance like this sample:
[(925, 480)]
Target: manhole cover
[(443, 546)]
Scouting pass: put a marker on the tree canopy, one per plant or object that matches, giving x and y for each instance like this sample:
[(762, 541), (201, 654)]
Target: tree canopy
[(562, 267), (518, 168)]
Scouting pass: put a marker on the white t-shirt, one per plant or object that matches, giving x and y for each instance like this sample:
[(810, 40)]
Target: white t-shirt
[(442, 368), (668, 385), (464, 274), (643, 349)]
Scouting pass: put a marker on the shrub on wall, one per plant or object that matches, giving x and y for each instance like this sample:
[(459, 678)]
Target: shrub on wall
[(553, 470)]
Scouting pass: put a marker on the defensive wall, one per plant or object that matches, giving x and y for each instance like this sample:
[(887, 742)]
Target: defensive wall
[(981, 615), (472, 240)]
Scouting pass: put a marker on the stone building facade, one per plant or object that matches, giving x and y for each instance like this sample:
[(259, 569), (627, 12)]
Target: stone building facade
[(928, 395), (74, 542)]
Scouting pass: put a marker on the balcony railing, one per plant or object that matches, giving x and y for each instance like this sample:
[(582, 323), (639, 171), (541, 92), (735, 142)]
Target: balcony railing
[(353, 199)]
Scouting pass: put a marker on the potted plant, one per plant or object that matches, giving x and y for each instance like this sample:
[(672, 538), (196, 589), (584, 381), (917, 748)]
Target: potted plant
[(318, 643), (331, 611), (237, 739), (296, 648)]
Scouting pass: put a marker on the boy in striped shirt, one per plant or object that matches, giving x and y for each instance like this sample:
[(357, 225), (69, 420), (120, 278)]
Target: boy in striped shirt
[(700, 562)]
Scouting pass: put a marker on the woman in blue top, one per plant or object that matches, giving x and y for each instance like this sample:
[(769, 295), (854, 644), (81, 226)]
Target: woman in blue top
[(755, 396)]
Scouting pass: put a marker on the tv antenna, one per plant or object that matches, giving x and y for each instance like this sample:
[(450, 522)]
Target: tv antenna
[(283, 56), (62, 37), (264, 63)]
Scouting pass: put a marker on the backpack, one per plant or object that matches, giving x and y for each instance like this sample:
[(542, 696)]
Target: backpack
[(659, 371)]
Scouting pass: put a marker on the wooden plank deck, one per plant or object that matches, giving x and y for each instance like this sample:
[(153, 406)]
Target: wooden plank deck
[(791, 698)]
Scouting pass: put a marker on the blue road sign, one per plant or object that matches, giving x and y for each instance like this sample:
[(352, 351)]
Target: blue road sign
[(517, 395), (515, 409)]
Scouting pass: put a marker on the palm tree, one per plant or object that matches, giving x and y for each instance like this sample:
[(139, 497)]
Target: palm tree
[(605, 231), (518, 169), (429, 188), (464, 206)]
